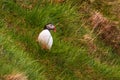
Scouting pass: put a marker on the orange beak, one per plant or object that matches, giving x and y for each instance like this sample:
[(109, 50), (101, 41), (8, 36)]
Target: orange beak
[(54, 30)]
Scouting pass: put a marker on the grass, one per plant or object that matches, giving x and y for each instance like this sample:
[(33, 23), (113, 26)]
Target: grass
[(69, 58), (18, 58)]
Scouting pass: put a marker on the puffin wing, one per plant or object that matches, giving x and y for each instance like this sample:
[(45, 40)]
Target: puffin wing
[(45, 39), (50, 42)]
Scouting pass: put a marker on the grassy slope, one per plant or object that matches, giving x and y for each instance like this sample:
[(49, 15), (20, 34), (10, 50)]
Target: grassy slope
[(69, 58)]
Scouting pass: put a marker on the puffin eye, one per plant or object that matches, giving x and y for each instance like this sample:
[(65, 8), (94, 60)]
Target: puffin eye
[(50, 24)]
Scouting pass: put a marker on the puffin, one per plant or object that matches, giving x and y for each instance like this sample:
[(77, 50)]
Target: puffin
[(45, 38)]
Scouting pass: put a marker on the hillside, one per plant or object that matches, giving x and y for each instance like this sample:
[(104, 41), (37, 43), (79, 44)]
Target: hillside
[(86, 45)]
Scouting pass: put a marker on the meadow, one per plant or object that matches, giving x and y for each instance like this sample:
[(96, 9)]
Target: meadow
[(86, 44)]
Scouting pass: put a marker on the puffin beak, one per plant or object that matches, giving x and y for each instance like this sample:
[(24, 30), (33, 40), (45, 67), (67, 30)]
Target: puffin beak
[(54, 30)]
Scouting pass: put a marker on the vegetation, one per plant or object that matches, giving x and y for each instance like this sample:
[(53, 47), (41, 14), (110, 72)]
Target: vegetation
[(79, 52)]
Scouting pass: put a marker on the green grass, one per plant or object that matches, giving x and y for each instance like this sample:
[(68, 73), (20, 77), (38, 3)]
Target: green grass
[(69, 58)]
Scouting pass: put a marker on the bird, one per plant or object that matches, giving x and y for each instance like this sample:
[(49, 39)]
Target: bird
[(45, 39)]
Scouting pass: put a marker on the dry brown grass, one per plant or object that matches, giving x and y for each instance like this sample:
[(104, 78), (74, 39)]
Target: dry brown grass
[(111, 2), (25, 5), (32, 3), (106, 30), (54, 1), (57, 1), (89, 41), (18, 76)]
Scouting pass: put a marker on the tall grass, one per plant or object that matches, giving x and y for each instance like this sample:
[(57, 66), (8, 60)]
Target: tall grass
[(13, 59), (69, 58)]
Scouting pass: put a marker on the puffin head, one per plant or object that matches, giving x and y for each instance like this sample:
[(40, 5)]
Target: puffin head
[(50, 27)]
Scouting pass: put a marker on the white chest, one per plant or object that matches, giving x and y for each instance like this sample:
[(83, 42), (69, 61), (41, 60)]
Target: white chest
[(45, 39)]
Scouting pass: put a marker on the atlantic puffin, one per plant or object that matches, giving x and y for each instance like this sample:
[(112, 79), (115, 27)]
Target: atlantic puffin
[(45, 38)]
